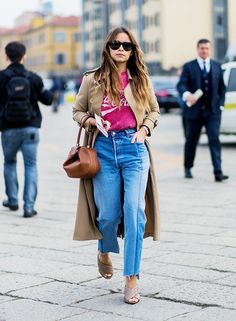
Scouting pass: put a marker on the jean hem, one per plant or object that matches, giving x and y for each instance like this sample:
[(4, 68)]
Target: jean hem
[(130, 275)]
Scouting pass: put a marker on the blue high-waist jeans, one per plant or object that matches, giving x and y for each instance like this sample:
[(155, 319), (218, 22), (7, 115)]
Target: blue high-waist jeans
[(26, 140), (121, 181)]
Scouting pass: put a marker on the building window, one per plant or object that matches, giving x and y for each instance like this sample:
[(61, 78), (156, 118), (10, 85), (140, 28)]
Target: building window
[(76, 37), (59, 36), (60, 59), (98, 13), (157, 19), (41, 38), (157, 46), (28, 42), (86, 16), (146, 47), (152, 46), (87, 56), (220, 28), (86, 36)]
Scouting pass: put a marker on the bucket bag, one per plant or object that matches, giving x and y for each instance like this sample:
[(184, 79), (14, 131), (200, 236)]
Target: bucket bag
[(82, 161)]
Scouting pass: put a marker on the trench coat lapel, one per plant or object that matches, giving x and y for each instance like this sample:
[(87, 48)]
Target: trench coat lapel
[(130, 98), (97, 98)]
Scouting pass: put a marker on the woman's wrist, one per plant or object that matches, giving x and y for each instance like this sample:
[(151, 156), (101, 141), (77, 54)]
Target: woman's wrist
[(145, 130), (90, 121)]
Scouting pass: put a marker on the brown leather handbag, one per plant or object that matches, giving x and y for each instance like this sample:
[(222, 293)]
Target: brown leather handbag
[(82, 161)]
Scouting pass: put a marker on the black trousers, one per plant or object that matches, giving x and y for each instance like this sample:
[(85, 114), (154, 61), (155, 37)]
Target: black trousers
[(212, 124)]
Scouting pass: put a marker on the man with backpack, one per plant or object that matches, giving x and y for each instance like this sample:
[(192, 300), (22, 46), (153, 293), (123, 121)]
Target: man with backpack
[(20, 120)]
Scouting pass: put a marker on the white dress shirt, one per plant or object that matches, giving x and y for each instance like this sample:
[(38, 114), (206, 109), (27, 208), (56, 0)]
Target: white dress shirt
[(207, 62)]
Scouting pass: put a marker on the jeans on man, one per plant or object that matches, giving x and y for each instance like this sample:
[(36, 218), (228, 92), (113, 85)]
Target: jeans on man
[(26, 140)]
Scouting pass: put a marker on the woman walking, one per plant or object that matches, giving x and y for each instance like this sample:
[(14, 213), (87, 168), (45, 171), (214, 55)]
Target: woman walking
[(113, 202)]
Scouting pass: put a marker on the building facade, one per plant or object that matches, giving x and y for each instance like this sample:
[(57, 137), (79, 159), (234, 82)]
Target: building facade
[(167, 30), (53, 45), (94, 28)]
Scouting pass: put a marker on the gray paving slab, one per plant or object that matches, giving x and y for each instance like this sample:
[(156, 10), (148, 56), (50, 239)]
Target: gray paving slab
[(188, 238), (30, 266), (12, 281), (49, 230), (41, 242), (227, 233), (184, 272), (203, 293), (229, 280), (148, 284), (192, 229), (75, 274), (190, 247), (5, 298), (223, 222), (209, 314), (225, 264), (97, 316), (148, 309), (76, 257), (190, 259), (194, 261), (60, 293), (28, 310), (226, 241)]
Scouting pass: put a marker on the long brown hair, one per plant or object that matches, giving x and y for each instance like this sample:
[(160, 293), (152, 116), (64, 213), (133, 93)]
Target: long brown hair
[(109, 73)]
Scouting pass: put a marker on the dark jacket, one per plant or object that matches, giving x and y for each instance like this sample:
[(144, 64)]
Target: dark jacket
[(37, 93), (190, 80)]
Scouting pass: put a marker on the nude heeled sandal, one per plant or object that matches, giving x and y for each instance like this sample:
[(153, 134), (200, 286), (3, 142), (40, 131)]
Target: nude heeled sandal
[(131, 295), (106, 270)]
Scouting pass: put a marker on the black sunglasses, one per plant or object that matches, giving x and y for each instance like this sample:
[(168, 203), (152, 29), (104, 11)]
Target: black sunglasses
[(127, 46)]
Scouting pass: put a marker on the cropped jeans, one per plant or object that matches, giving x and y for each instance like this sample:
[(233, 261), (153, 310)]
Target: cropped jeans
[(26, 140), (119, 189)]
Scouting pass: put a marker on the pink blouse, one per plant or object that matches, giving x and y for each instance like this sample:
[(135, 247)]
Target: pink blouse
[(121, 117)]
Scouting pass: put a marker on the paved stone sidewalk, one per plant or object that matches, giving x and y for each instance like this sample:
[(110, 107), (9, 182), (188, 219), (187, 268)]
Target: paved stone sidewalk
[(189, 275)]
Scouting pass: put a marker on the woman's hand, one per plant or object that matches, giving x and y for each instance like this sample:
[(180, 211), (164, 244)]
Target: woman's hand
[(106, 124), (90, 122), (139, 136)]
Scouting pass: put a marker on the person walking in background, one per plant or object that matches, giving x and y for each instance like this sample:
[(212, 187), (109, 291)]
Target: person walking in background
[(57, 90), (205, 76), (113, 202), (20, 119)]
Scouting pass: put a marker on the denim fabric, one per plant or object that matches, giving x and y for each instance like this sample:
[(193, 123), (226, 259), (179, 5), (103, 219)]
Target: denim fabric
[(122, 180), (26, 140)]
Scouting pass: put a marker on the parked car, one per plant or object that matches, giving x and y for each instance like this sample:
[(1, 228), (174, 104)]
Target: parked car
[(228, 120), (166, 92)]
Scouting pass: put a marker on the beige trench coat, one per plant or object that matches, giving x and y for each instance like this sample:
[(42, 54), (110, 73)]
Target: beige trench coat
[(88, 101)]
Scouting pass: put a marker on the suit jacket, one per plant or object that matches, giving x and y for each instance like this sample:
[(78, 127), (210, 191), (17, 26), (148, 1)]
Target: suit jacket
[(89, 101), (190, 80)]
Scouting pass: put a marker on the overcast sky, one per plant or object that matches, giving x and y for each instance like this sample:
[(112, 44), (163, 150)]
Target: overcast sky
[(10, 9)]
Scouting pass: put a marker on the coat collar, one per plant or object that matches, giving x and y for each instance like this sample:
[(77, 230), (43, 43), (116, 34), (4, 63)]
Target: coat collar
[(128, 72), (98, 94)]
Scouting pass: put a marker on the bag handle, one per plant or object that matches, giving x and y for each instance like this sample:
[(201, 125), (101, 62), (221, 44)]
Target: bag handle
[(80, 131)]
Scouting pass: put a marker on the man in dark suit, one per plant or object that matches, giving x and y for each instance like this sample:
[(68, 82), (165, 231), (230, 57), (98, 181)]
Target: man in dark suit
[(205, 74)]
